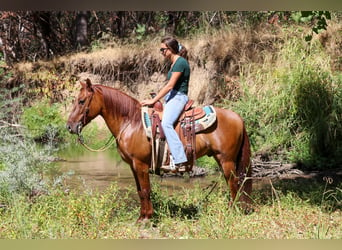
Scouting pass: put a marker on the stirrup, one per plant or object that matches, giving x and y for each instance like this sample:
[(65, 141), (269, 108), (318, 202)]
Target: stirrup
[(167, 168), (176, 169), (181, 168)]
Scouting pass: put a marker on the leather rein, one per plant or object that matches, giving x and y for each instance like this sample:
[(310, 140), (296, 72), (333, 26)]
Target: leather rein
[(107, 145)]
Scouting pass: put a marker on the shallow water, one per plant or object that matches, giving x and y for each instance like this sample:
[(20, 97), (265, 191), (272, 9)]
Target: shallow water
[(98, 170)]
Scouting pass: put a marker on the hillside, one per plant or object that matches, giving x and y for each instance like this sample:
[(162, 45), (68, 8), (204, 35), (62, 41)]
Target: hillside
[(256, 71)]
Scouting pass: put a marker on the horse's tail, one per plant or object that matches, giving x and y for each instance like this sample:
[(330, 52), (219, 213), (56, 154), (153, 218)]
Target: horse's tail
[(244, 168)]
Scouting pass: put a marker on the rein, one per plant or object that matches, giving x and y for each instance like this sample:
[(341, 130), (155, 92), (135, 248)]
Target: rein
[(81, 139), (101, 149), (110, 141), (107, 144)]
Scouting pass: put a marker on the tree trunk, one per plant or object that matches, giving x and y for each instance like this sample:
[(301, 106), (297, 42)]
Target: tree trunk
[(121, 23), (42, 19), (82, 29)]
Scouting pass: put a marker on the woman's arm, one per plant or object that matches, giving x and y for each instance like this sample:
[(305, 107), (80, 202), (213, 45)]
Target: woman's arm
[(170, 85)]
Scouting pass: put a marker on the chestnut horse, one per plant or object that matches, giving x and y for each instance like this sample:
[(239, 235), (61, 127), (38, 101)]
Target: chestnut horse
[(226, 140)]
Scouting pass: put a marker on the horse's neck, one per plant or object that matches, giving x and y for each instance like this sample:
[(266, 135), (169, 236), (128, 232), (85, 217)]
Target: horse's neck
[(114, 125), (114, 112)]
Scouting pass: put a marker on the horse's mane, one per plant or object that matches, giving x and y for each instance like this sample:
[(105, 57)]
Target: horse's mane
[(120, 103)]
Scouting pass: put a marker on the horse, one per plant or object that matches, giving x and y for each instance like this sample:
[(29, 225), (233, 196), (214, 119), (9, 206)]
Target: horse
[(226, 140)]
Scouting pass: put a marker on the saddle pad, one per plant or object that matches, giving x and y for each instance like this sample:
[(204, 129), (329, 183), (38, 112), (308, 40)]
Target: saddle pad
[(200, 124), (146, 121), (206, 121)]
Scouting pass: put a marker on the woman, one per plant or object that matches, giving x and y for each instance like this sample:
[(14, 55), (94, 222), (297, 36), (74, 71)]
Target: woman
[(176, 96)]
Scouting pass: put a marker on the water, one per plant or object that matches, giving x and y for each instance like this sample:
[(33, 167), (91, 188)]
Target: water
[(98, 170), (94, 170)]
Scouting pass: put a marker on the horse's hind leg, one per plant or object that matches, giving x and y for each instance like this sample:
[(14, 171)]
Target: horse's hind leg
[(245, 190), (240, 188), (228, 168)]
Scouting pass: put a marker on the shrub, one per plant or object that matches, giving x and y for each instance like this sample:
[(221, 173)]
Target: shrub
[(44, 122), (292, 111), (22, 163), (22, 166), (314, 96)]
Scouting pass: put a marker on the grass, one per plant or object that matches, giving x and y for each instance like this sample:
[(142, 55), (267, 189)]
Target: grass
[(289, 105), (183, 214)]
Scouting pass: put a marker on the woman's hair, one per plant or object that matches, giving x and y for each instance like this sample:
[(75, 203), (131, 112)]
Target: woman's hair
[(175, 47)]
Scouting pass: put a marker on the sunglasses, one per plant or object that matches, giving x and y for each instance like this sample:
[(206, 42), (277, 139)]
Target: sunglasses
[(163, 49)]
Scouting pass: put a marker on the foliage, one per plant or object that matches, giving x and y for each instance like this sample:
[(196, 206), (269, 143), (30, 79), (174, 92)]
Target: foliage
[(315, 114), (294, 115), (44, 122), (22, 164), (207, 162), (312, 116), (299, 213), (48, 34), (140, 31), (317, 19)]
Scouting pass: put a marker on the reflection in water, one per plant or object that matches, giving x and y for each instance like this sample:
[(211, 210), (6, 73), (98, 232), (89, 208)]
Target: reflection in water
[(100, 170), (95, 170)]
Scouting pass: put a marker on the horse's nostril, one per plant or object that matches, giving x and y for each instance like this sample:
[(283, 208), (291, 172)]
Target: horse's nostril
[(68, 127), (79, 128)]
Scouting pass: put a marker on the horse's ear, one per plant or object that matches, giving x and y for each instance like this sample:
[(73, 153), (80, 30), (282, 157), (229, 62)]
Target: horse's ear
[(89, 85)]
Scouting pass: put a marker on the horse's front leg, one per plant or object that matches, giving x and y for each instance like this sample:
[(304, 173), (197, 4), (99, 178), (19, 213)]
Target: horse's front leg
[(142, 180)]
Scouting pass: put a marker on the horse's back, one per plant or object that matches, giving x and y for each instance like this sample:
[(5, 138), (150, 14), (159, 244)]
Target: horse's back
[(229, 119), (224, 136)]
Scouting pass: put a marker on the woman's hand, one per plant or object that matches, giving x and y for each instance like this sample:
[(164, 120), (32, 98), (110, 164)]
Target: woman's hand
[(147, 102)]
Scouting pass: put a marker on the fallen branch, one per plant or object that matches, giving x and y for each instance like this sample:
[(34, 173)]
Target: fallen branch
[(273, 169), (10, 124)]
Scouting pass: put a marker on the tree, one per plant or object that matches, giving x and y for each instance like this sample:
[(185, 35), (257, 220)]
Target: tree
[(42, 26), (81, 24)]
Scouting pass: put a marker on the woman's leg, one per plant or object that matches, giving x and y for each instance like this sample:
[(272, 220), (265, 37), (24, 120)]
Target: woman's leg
[(172, 110)]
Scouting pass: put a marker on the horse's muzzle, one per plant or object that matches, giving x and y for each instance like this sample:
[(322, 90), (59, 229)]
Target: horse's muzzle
[(74, 128)]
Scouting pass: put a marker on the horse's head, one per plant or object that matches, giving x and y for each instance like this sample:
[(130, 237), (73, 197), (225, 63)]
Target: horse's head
[(84, 109)]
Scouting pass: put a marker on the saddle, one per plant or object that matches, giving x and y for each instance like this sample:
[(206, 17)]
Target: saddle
[(191, 121)]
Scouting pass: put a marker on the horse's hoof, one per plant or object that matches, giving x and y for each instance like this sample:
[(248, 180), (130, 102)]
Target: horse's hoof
[(247, 208), (143, 220)]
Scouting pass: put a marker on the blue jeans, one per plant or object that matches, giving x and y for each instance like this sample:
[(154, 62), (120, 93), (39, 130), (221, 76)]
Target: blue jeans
[(174, 105)]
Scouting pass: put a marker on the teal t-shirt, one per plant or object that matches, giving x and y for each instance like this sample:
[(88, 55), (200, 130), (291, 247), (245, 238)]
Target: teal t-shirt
[(181, 65)]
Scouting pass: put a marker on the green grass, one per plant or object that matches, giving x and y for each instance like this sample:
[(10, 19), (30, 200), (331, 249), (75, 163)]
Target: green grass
[(291, 109), (186, 214)]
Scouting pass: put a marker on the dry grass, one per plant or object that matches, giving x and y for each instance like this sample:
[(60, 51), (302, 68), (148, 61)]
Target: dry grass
[(219, 61)]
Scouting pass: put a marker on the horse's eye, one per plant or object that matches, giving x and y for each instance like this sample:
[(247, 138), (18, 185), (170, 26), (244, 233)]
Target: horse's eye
[(81, 101)]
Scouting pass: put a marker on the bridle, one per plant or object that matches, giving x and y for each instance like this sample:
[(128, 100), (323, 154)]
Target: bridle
[(83, 122), (86, 111)]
